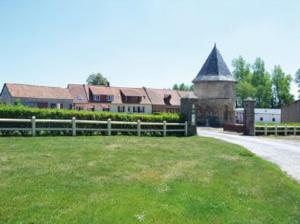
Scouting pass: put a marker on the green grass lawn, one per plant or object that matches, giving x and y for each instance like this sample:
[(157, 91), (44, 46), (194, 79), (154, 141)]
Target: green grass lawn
[(123, 179), (279, 124)]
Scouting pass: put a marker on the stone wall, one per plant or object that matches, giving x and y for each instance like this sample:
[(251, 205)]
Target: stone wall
[(215, 90), (216, 103)]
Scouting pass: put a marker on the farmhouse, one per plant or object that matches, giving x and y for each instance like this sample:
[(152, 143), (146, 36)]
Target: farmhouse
[(164, 100), (37, 96)]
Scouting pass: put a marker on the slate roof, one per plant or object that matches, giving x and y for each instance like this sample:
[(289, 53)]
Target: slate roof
[(214, 69), (38, 92)]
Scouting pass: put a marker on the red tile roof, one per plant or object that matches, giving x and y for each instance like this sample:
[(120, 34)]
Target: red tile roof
[(157, 96), (39, 92), (79, 93)]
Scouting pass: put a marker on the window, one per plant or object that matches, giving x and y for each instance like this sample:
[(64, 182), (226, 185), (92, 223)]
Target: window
[(143, 109), (134, 109), (106, 109), (110, 98), (129, 109), (53, 105), (261, 119), (96, 98), (121, 108), (273, 119)]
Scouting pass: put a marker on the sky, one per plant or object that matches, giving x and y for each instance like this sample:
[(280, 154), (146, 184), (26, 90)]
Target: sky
[(152, 43)]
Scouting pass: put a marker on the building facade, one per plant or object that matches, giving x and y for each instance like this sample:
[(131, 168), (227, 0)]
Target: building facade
[(261, 115), (37, 96), (291, 112)]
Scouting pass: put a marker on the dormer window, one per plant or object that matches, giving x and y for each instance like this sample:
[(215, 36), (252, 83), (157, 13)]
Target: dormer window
[(110, 98), (96, 98)]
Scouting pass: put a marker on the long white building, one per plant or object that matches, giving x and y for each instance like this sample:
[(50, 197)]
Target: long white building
[(261, 115)]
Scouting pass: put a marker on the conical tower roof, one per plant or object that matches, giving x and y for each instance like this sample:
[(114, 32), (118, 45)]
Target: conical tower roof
[(214, 69)]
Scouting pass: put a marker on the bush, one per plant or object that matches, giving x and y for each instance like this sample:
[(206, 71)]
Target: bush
[(91, 129), (27, 112)]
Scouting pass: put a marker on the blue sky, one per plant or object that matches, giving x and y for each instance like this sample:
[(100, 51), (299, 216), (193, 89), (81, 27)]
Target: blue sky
[(152, 43)]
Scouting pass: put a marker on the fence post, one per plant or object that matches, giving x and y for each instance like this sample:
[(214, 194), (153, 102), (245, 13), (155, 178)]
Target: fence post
[(109, 127), (33, 125), (266, 129), (186, 128), (295, 132), (276, 130), (139, 128), (165, 128), (73, 126), (285, 130)]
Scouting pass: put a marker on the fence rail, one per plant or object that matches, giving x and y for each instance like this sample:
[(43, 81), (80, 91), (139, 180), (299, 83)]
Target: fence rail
[(277, 130), (108, 126)]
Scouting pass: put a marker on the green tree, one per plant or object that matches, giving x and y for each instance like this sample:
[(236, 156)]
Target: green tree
[(262, 83), (175, 87), (243, 76), (297, 80), (182, 87), (281, 87), (97, 79)]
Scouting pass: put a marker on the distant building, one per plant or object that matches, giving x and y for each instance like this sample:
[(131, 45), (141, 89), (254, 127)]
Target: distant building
[(37, 96), (291, 112), (107, 98), (95, 98), (261, 115), (164, 100)]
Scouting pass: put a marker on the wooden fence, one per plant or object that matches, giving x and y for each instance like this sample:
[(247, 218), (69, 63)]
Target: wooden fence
[(277, 130), (109, 126)]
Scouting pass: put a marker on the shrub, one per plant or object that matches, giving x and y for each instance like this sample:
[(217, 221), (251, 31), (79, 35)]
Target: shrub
[(27, 112)]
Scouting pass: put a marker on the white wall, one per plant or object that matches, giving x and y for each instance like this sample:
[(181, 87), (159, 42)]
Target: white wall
[(261, 115)]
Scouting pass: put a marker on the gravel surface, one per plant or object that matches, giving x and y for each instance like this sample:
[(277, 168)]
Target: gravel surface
[(284, 153)]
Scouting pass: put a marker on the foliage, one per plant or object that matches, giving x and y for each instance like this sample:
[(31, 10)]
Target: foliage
[(281, 85), (97, 79), (261, 80), (27, 112), (297, 80), (183, 87), (256, 82), (243, 76), (121, 179)]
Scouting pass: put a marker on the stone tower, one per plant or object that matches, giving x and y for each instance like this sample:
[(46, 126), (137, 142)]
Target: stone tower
[(214, 86)]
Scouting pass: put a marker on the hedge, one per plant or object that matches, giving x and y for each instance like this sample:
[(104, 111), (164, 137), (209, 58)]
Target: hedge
[(7, 111)]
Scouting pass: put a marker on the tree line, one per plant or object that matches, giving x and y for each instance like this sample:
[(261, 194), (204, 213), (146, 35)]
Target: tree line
[(269, 89)]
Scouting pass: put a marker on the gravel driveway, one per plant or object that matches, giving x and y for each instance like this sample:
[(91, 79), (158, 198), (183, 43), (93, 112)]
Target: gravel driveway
[(284, 153)]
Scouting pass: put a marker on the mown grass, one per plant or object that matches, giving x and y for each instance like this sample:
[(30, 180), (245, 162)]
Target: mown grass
[(123, 179)]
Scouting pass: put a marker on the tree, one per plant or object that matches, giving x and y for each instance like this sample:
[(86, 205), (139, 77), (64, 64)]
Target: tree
[(243, 76), (175, 87), (97, 79), (241, 70), (261, 81), (182, 87), (281, 87), (297, 80)]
